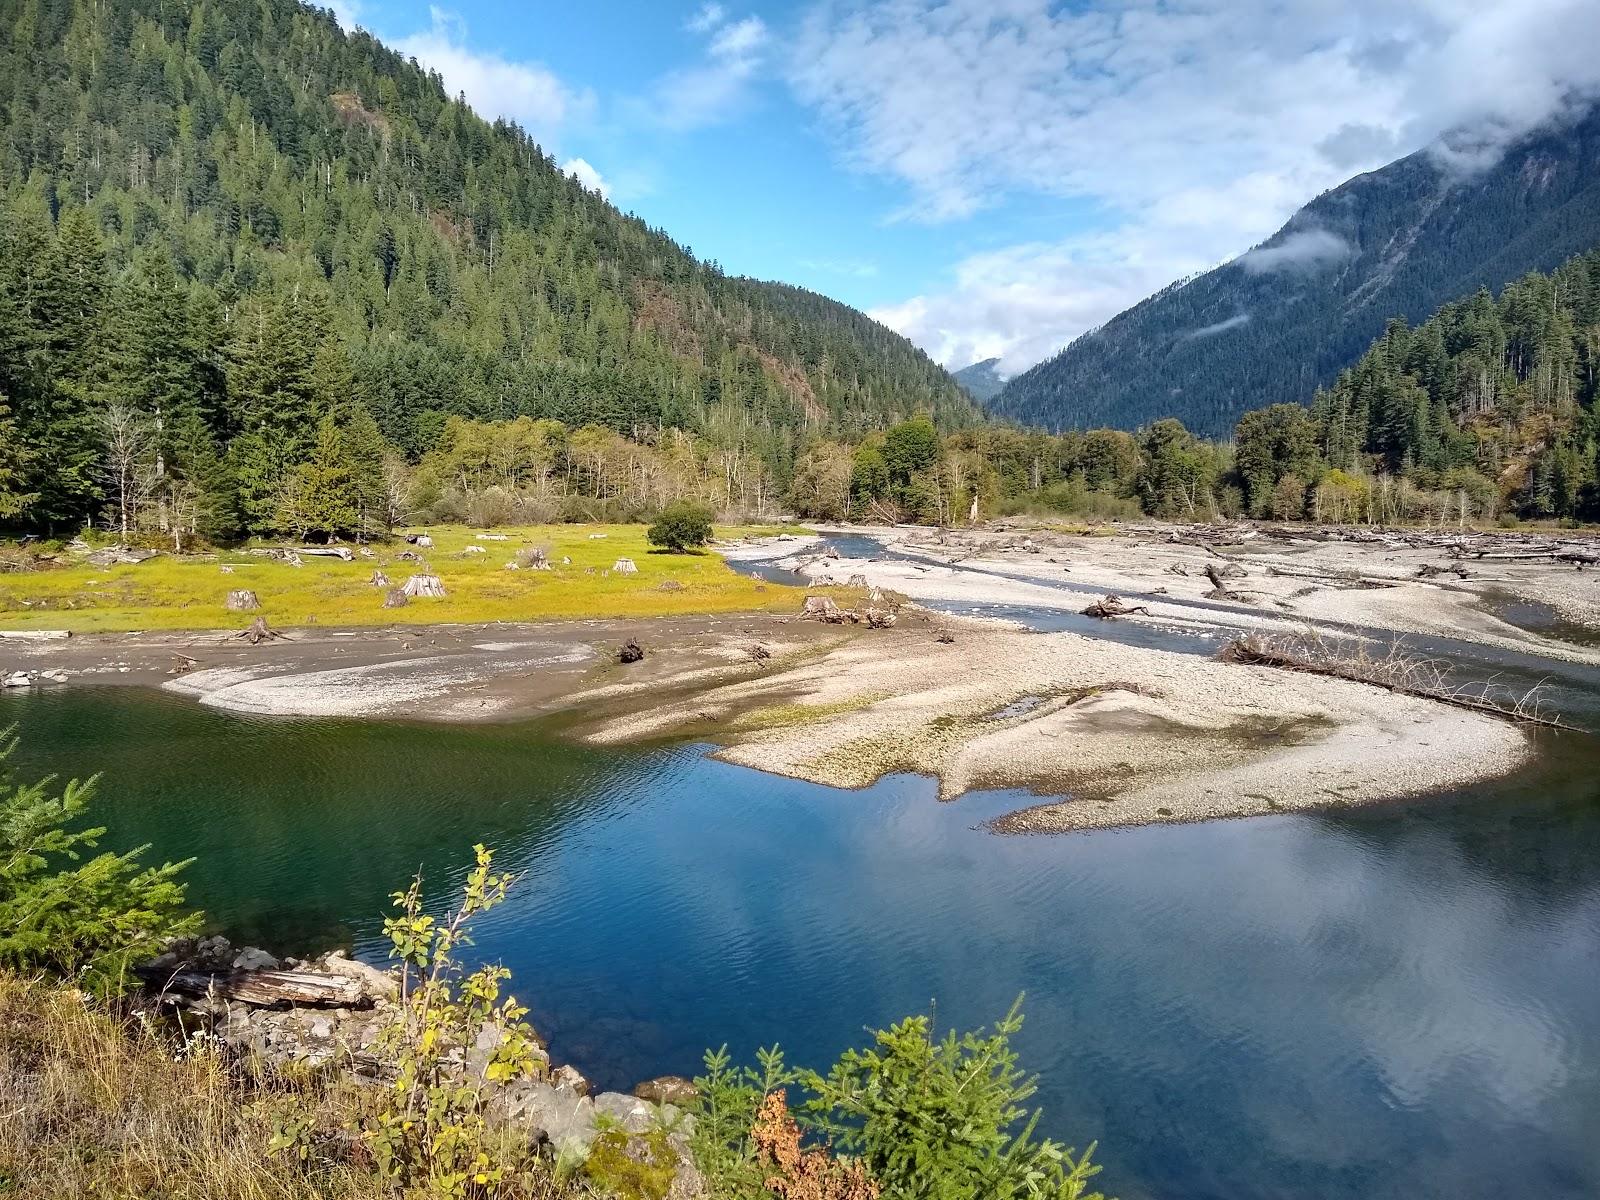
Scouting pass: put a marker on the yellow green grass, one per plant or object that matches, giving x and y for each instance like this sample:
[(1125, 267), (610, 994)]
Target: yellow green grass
[(190, 593)]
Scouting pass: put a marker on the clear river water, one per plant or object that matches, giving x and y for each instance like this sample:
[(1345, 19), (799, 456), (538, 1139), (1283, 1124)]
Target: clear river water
[(1390, 1002)]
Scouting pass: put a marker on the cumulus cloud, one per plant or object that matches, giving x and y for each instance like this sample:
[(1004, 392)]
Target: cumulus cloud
[(717, 87), (347, 13), (525, 92), (1194, 129), (1305, 250), (581, 170)]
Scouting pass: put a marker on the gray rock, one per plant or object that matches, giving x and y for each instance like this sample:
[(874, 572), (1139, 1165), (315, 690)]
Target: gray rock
[(252, 958), (555, 1115), (568, 1076), (668, 1089)]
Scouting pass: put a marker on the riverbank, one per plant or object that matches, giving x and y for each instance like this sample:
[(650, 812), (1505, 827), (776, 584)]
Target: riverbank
[(1109, 734)]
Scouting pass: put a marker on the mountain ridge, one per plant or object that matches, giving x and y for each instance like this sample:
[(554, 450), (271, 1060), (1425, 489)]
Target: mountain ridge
[(1285, 317)]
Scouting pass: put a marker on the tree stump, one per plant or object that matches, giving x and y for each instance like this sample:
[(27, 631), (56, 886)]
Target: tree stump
[(259, 631), (242, 600), (625, 566), (379, 580), (396, 598), (631, 652), (425, 585)]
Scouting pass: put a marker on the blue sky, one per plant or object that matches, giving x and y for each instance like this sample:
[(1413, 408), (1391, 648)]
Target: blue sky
[(991, 177)]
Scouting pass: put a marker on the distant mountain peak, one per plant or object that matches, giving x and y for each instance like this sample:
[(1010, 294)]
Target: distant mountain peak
[(982, 380), (1285, 317)]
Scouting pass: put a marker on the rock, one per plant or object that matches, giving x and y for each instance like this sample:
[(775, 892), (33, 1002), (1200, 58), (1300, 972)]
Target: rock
[(569, 1077), (395, 598), (555, 1115), (252, 958), (631, 1113), (668, 1089), (17, 679)]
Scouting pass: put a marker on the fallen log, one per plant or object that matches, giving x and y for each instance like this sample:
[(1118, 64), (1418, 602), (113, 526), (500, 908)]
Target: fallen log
[(35, 635), (1220, 590), (1112, 606), (265, 989), (1390, 674), (340, 552)]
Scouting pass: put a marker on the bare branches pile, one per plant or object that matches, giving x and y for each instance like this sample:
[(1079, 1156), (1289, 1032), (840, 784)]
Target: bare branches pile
[(1393, 669)]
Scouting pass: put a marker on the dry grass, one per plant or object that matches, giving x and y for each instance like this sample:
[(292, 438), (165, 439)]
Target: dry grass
[(189, 593), (95, 1106)]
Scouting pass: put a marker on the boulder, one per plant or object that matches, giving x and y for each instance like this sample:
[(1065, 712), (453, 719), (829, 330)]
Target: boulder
[(668, 1089), (569, 1077), (558, 1116), (252, 958)]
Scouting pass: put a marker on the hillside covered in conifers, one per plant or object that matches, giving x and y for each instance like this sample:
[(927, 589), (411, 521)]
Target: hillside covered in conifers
[(223, 221)]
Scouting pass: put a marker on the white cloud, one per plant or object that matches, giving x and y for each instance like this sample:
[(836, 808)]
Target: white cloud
[(707, 19), (1206, 331), (525, 92), (581, 170), (716, 88), (1195, 129), (347, 13), (1303, 250)]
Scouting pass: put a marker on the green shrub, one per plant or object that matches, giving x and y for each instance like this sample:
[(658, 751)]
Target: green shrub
[(682, 524), (929, 1120), (85, 919)]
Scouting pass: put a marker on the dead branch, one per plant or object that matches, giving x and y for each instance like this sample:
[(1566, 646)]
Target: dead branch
[(1113, 606), (1395, 671)]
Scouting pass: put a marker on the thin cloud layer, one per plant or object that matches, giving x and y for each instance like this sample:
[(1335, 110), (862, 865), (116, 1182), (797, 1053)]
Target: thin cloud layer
[(1198, 128), (718, 87), (524, 92)]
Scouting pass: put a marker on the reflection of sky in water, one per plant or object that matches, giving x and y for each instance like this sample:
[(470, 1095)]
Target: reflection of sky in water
[(1391, 1003)]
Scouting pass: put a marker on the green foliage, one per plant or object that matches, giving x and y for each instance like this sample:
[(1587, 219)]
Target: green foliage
[(681, 525), (452, 1035), (930, 1119), (233, 218), (86, 917)]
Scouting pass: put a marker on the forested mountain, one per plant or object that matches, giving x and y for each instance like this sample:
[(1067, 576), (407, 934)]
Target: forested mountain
[(222, 221), (981, 380), (1278, 322)]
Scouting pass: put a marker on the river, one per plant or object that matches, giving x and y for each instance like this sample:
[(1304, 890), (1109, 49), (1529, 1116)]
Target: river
[(1394, 1002)]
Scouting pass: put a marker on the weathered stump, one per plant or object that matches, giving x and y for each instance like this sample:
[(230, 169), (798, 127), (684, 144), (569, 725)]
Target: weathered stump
[(625, 566), (242, 600), (631, 652), (379, 580), (396, 598), (425, 585)]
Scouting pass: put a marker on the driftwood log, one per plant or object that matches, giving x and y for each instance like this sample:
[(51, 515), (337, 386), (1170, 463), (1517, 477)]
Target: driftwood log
[(342, 553), (263, 988), (1112, 606), (1219, 589), (1258, 651)]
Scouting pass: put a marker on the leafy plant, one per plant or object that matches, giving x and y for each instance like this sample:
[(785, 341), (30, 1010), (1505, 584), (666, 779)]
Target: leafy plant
[(682, 524), (83, 918), (452, 1035), (915, 1118)]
